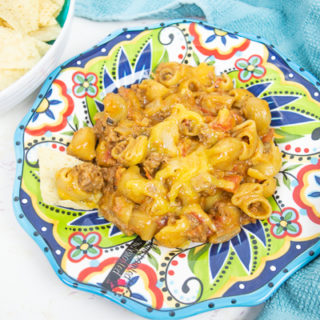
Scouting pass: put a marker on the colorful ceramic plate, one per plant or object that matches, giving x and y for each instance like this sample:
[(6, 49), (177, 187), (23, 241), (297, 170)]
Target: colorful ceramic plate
[(89, 253)]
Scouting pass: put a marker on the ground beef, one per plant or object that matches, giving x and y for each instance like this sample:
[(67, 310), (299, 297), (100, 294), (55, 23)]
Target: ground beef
[(109, 176), (105, 131), (111, 136), (207, 136), (90, 177), (188, 128), (99, 127), (225, 215), (199, 231), (108, 205), (245, 219), (140, 93), (153, 162)]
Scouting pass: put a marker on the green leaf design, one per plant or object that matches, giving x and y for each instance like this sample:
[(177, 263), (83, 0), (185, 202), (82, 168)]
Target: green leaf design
[(277, 181), (279, 229), (193, 257), (91, 90), (164, 58), (79, 78), (292, 167), (242, 64), (288, 216), (93, 250), (291, 227), (245, 74), (286, 181), (92, 238), (84, 124), (76, 122), (210, 63), (68, 133), (258, 71), (153, 261), (254, 61), (90, 78), (285, 136), (75, 253), (77, 239), (196, 58), (156, 249), (79, 90), (275, 219)]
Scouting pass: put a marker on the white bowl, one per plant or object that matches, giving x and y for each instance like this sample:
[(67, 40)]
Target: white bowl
[(30, 81)]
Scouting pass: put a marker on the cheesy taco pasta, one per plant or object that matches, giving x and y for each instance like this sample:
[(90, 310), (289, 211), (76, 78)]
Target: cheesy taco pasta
[(180, 157)]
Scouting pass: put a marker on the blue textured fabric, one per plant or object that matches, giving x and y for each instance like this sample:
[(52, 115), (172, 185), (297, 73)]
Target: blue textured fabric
[(293, 26)]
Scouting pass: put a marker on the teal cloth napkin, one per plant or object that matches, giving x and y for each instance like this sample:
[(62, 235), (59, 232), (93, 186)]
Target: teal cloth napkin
[(293, 26)]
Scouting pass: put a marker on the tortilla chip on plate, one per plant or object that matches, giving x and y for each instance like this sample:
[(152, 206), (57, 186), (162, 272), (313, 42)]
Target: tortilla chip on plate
[(50, 162)]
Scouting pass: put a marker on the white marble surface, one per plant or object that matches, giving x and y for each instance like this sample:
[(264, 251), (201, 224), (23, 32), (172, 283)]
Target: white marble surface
[(29, 287)]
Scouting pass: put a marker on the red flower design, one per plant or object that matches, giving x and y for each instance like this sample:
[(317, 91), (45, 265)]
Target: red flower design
[(84, 246), (285, 223), (85, 84), (220, 44), (59, 112)]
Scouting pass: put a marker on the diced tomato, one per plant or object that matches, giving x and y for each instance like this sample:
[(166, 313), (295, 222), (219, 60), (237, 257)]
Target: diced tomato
[(148, 175), (236, 179), (240, 168), (208, 119), (206, 111), (268, 136), (108, 154), (194, 214), (237, 117), (224, 126), (218, 127), (184, 150), (217, 82)]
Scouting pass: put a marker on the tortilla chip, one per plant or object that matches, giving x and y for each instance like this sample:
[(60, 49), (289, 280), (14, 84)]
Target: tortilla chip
[(59, 4), (42, 47), (9, 76), (46, 33), (51, 161), (17, 50), (48, 10), (21, 15), (25, 27), (3, 23)]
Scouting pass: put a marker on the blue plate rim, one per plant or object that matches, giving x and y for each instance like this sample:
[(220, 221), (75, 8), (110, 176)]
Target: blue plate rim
[(260, 295)]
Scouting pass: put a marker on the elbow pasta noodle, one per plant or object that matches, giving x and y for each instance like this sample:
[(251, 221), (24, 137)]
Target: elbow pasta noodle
[(269, 187), (258, 110), (226, 83), (182, 158), (247, 133), (249, 198), (240, 96)]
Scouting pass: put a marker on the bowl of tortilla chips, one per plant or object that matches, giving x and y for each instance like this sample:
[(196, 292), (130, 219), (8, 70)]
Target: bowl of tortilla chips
[(33, 34)]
